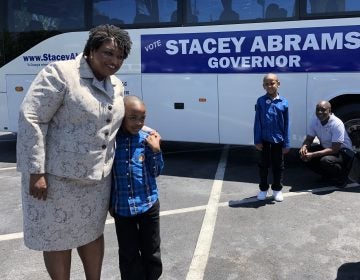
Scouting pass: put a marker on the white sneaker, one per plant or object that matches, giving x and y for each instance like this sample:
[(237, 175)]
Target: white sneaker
[(262, 195), (278, 196)]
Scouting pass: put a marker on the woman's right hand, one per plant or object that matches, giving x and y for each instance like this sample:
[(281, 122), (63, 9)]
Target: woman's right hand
[(38, 186)]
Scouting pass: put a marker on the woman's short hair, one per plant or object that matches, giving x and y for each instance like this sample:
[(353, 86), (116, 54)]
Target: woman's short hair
[(99, 34)]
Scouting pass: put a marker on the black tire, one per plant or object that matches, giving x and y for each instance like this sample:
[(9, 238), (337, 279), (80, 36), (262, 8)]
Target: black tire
[(350, 115)]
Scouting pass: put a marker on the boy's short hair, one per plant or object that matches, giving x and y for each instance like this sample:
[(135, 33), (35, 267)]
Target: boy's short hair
[(133, 99)]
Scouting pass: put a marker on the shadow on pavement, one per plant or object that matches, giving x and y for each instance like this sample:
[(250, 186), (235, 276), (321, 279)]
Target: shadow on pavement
[(8, 148), (250, 202)]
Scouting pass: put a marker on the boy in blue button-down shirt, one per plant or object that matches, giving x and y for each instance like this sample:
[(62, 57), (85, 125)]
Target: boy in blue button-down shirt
[(134, 195), (271, 136)]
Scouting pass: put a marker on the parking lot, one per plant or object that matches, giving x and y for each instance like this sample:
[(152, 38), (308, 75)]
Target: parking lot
[(212, 226)]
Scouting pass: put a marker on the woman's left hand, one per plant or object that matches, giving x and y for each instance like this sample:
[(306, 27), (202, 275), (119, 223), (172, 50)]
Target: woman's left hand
[(38, 186)]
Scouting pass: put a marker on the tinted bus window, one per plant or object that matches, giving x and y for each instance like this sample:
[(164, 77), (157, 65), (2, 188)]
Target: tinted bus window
[(135, 12), (30, 22), (332, 6), (37, 15), (113, 11), (2, 32), (231, 11)]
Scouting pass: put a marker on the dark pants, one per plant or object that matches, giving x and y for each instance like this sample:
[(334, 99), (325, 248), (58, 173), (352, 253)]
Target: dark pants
[(271, 155), (332, 166), (139, 245)]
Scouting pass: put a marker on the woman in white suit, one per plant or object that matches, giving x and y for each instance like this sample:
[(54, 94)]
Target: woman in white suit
[(65, 149)]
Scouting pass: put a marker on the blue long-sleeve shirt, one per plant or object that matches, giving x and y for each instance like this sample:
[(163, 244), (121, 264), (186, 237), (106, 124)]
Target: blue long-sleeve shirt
[(136, 166), (272, 120)]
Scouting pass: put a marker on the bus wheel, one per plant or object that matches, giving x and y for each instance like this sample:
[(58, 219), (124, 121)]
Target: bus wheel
[(350, 115)]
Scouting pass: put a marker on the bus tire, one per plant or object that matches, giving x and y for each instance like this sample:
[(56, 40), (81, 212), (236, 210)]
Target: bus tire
[(350, 115)]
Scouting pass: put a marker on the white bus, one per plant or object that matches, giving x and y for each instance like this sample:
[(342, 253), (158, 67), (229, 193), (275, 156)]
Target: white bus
[(198, 64)]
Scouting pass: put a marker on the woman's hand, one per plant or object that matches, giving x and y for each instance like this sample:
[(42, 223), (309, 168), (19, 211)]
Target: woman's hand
[(38, 186)]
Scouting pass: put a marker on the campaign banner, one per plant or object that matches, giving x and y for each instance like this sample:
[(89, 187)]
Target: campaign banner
[(316, 49)]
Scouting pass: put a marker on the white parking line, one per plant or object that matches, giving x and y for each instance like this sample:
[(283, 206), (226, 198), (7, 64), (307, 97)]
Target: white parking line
[(11, 236), (8, 168), (18, 235), (202, 249)]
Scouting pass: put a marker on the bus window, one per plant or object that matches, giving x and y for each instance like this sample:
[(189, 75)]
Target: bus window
[(37, 15), (276, 9), (113, 12), (2, 33), (168, 10), (135, 12), (332, 6), (233, 11), (228, 14), (29, 22)]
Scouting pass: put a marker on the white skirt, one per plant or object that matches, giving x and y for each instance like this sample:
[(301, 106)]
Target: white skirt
[(73, 214)]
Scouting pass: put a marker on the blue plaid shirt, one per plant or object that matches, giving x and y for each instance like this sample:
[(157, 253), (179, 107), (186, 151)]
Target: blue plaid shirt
[(272, 120), (135, 168)]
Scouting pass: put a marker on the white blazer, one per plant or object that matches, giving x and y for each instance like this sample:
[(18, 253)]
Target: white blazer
[(68, 122)]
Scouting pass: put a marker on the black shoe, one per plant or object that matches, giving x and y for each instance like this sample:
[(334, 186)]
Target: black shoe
[(341, 183)]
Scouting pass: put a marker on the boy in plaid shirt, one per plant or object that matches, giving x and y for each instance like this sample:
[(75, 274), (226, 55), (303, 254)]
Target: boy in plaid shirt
[(134, 195)]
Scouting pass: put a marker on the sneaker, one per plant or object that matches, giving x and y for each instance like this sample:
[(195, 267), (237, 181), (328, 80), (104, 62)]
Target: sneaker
[(262, 195), (278, 196)]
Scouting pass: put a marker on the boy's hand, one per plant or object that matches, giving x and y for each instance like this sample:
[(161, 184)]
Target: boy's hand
[(259, 147), (153, 140)]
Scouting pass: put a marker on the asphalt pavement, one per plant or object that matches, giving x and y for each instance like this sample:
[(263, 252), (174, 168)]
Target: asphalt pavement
[(212, 226)]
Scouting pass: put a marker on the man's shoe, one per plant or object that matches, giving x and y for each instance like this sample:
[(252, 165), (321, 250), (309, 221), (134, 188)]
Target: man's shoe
[(341, 183), (278, 196), (262, 195)]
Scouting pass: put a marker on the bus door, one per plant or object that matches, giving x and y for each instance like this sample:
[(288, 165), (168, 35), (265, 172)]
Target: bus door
[(182, 107), (16, 88)]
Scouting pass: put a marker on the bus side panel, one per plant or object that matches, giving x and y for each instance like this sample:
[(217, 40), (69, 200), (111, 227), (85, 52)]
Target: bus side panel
[(132, 84), (182, 107), (293, 88), (237, 98), (326, 86), (16, 87), (4, 121)]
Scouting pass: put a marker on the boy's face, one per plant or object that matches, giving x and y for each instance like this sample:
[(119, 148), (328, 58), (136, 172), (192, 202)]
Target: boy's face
[(271, 85), (134, 117)]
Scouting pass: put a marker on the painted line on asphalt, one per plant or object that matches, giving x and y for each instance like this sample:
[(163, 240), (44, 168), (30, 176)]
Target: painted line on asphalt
[(8, 168), (11, 236), (18, 235), (202, 249)]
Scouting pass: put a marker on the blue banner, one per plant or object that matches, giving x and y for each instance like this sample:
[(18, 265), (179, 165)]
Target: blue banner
[(320, 49)]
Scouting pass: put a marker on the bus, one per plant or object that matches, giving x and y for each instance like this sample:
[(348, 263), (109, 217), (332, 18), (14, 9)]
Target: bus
[(198, 64)]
